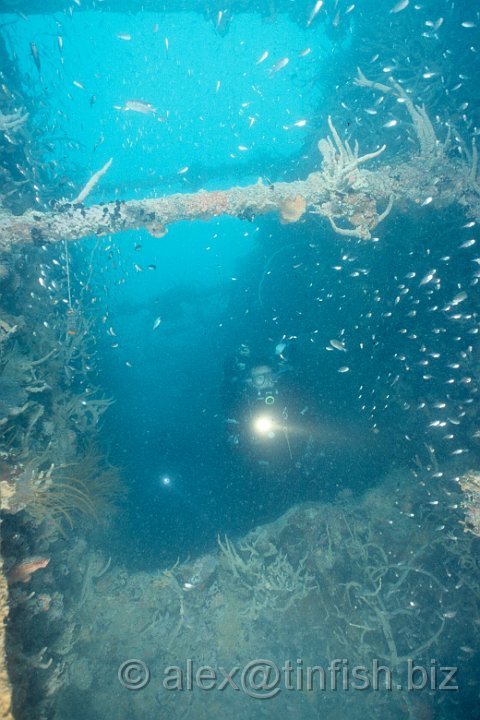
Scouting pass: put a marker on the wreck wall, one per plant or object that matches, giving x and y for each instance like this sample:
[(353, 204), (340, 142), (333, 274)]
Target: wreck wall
[(5, 690)]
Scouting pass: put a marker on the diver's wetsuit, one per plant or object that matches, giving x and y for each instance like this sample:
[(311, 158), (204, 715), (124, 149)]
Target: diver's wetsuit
[(254, 392)]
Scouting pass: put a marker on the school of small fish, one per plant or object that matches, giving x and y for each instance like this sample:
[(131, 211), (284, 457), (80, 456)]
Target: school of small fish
[(432, 309)]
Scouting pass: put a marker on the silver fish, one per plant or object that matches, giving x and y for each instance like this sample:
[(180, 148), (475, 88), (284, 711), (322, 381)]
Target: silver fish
[(279, 66), (317, 7), (140, 107), (36, 57), (401, 5)]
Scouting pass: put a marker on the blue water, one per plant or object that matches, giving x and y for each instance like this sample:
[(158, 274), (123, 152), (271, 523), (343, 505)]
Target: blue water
[(180, 322), (212, 98)]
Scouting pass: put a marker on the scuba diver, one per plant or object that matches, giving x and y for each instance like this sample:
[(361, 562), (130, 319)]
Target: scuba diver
[(256, 395)]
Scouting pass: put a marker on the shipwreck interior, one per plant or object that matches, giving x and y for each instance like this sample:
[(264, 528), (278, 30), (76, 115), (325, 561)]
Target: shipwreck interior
[(239, 355)]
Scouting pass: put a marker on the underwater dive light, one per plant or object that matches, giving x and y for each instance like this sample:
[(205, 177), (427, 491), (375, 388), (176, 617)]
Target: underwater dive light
[(263, 424)]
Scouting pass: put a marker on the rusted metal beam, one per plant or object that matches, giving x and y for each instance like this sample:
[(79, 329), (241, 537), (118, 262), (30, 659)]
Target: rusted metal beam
[(353, 200), (74, 220)]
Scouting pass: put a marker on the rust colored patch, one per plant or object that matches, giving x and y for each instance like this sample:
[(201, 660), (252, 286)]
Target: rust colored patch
[(23, 571), (292, 209)]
